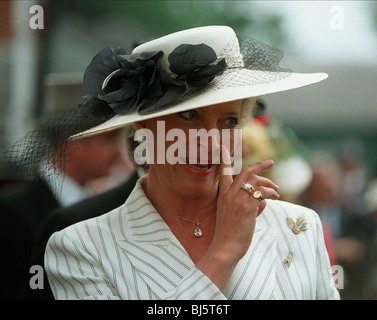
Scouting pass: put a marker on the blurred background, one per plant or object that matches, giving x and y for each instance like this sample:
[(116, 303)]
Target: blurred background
[(324, 136)]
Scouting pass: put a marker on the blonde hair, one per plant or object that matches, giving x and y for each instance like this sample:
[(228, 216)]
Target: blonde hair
[(247, 110)]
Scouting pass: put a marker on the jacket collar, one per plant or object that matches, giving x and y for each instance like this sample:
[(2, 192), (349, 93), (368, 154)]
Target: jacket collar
[(162, 261), (146, 225), (143, 223)]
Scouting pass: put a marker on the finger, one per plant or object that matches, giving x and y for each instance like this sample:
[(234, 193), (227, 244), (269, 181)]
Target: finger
[(262, 184), (262, 206), (226, 179), (253, 169), (259, 167), (268, 193), (265, 182)]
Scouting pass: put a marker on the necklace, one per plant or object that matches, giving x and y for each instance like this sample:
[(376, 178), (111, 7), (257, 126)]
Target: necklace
[(197, 232)]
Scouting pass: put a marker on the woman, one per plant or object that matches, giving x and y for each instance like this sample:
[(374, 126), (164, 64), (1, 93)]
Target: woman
[(190, 230)]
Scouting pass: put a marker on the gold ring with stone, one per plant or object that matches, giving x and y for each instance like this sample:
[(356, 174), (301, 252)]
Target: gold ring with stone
[(258, 195), (248, 188)]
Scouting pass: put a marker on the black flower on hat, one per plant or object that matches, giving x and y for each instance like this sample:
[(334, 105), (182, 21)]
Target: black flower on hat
[(193, 64), (125, 81), (134, 76)]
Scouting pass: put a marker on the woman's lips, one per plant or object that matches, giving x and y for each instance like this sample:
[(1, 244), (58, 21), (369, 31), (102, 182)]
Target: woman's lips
[(199, 170), (196, 168)]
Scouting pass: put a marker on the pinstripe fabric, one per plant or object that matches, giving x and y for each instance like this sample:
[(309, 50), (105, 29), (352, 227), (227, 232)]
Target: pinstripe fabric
[(130, 253)]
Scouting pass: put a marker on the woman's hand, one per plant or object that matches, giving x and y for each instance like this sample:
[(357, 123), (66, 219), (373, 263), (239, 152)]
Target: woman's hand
[(237, 210), (236, 215)]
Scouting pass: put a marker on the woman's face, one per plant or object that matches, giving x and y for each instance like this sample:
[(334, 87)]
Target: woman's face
[(187, 178)]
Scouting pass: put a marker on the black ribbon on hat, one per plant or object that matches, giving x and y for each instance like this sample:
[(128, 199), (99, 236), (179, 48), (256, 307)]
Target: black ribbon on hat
[(139, 79)]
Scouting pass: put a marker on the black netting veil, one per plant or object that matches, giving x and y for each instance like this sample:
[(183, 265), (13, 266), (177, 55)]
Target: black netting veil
[(46, 149), (260, 56)]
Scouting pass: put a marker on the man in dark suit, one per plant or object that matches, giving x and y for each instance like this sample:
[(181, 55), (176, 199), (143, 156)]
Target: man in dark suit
[(22, 210), (60, 218), (24, 206)]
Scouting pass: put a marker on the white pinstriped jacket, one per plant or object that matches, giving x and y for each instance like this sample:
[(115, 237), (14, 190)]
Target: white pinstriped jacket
[(130, 253)]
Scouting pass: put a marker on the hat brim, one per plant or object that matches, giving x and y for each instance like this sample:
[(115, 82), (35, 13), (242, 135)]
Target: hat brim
[(211, 97)]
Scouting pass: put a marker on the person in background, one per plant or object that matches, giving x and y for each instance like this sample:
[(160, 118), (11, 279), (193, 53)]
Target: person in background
[(62, 217), (24, 206), (353, 234), (370, 211), (9, 176)]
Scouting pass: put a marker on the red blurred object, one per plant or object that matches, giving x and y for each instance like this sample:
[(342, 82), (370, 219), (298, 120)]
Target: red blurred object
[(263, 119), (329, 243)]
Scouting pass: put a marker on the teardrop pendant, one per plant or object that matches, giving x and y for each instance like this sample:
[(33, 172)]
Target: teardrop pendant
[(198, 232)]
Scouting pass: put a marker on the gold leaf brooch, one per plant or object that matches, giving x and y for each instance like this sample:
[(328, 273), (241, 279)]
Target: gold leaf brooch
[(288, 259), (299, 225)]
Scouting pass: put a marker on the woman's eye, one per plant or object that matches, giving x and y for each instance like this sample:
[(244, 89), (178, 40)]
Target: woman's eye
[(232, 122), (189, 115)]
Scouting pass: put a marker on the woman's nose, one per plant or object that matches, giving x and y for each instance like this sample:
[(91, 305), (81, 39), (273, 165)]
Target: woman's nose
[(206, 144)]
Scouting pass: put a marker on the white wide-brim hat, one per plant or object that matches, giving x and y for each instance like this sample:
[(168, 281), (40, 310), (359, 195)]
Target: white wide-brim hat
[(238, 81)]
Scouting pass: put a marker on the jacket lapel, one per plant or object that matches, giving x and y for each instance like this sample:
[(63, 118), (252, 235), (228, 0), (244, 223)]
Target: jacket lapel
[(255, 275), (151, 247), (162, 262)]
